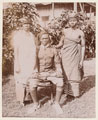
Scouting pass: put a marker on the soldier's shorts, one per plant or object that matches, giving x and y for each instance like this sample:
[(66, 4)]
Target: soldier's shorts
[(55, 80)]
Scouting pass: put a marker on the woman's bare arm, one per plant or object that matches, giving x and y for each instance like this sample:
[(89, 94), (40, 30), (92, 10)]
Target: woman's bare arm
[(83, 50), (61, 41)]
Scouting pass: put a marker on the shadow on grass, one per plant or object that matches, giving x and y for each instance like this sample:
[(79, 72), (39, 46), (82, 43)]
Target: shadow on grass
[(86, 84), (44, 93)]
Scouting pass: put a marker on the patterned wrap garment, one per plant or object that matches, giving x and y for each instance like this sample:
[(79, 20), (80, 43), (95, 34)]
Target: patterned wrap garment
[(71, 55)]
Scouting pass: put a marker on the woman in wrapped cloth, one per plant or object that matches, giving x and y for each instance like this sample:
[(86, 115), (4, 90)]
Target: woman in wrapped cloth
[(72, 53), (24, 58)]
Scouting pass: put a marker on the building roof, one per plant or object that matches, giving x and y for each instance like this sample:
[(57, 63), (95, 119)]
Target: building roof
[(92, 4), (44, 3), (48, 3)]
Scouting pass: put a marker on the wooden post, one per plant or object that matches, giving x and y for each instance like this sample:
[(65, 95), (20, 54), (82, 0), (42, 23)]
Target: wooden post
[(81, 7), (90, 11), (53, 9), (75, 6)]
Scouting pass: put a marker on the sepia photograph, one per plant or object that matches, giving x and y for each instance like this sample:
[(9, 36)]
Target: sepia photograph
[(49, 59)]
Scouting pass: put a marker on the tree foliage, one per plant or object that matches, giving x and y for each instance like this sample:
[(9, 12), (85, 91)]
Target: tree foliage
[(18, 10), (11, 21), (56, 25)]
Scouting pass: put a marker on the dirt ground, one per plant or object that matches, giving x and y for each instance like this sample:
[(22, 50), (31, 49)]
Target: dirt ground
[(82, 107)]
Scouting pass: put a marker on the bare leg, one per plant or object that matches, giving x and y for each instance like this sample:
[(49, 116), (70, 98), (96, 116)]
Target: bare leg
[(33, 93), (56, 105), (35, 106), (59, 91)]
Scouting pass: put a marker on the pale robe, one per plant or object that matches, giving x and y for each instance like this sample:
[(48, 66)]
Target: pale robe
[(24, 42)]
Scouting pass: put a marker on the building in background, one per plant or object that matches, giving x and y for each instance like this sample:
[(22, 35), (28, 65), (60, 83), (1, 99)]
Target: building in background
[(48, 11)]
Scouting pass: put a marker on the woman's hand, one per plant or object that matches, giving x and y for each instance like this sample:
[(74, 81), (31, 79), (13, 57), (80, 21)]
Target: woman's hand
[(59, 73), (17, 69), (81, 64)]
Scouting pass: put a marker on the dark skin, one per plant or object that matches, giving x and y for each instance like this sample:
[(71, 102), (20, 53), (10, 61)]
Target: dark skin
[(45, 41)]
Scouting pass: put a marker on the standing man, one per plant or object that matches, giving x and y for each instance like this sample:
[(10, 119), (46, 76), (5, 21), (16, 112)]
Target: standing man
[(24, 58)]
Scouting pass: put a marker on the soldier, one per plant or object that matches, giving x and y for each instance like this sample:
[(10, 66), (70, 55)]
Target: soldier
[(47, 59)]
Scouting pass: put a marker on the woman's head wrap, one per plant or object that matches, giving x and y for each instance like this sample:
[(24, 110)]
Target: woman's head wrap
[(72, 14)]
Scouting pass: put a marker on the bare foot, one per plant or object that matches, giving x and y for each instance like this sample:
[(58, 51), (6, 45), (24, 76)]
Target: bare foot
[(34, 108), (57, 108)]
